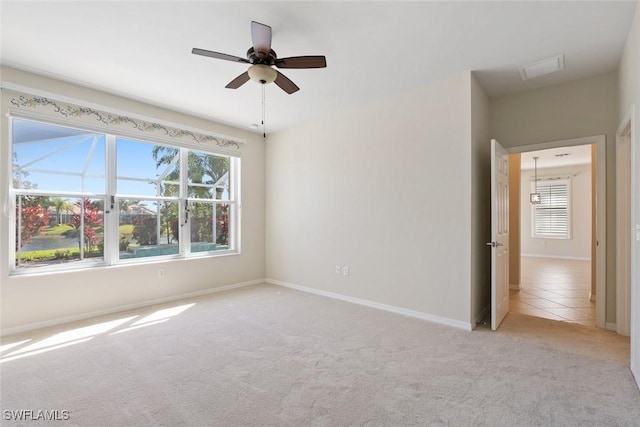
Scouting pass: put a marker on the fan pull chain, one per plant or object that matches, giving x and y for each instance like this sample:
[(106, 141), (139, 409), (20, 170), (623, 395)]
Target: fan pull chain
[(264, 127)]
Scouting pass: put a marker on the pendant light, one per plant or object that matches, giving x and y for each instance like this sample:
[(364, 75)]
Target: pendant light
[(534, 197)]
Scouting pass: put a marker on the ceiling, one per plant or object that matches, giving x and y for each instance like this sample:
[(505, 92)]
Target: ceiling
[(557, 157), (142, 50)]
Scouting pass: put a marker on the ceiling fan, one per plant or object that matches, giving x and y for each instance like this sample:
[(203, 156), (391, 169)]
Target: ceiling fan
[(262, 59)]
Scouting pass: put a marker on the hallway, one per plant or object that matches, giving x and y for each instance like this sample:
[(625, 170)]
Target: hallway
[(556, 289)]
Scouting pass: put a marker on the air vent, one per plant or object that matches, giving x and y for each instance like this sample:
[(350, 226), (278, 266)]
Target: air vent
[(540, 68)]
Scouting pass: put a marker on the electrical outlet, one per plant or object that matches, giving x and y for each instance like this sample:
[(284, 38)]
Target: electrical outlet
[(638, 232), (337, 269), (161, 273), (345, 270)]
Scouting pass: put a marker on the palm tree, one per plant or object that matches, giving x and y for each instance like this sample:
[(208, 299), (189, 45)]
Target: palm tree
[(60, 205), (202, 169)]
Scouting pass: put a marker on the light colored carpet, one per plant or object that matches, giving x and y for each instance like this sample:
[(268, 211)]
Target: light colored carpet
[(271, 356)]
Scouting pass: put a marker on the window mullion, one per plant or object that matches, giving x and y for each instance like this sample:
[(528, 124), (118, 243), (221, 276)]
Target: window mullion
[(12, 215), (185, 223), (234, 206), (111, 236)]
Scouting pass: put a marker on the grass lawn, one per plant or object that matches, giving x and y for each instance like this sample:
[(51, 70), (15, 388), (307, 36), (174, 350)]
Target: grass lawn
[(125, 231), (56, 254), (68, 253), (56, 230)]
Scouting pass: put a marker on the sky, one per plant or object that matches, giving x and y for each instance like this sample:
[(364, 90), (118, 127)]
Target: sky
[(45, 149), (75, 153)]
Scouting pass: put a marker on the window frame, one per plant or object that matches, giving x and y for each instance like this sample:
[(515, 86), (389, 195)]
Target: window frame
[(111, 253), (547, 182)]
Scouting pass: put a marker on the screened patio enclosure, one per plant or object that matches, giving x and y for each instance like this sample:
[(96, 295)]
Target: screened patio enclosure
[(67, 181)]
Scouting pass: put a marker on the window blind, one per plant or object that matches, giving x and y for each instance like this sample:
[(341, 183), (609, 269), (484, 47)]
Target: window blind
[(551, 216)]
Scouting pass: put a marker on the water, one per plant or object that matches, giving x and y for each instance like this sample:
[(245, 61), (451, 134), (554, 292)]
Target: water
[(39, 243)]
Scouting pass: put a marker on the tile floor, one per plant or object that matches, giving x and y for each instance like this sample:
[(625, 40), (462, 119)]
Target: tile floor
[(555, 289)]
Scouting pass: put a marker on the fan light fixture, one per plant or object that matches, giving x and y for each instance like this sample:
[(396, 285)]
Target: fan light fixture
[(264, 74), (534, 197), (262, 59)]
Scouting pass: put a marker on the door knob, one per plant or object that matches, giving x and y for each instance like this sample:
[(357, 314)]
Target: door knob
[(494, 244)]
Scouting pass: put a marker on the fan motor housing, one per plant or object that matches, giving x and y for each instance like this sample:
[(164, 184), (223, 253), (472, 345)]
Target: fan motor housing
[(261, 58)]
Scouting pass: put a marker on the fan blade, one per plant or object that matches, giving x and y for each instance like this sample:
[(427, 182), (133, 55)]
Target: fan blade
[(285, 84), (218, 55), (261, 37), (302, 62), (238, 81)]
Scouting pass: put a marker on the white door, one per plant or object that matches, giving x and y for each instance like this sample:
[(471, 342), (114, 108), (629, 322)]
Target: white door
[(499, 234)]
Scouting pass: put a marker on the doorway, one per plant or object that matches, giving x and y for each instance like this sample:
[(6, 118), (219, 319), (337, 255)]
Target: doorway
[(556, 235), (561, 276)]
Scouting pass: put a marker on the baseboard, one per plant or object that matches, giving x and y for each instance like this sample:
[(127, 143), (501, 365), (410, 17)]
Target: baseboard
[(391, 308), (514, 287), (574, 258), (611, 327), (592, 297), (83, 316)]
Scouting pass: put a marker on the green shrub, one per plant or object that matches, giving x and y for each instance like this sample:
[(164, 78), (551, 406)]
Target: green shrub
[(57, 254), (124, 243), (62, 254), (145, 231)]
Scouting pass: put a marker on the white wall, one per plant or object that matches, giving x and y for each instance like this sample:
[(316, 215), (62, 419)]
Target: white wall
[(576, 109), (579, 246), (629, 94), (385, 189), (480, 202), (31, 299)]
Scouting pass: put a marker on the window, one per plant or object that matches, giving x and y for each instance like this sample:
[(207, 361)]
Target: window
[(83, 198), (551, 218)]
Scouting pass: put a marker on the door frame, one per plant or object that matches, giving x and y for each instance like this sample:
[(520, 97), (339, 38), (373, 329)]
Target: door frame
[(624, 222), (631, 119), (601, 210)]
